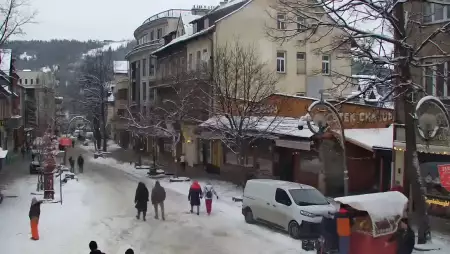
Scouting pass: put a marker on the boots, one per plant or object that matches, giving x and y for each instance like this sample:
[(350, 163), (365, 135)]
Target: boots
[(138, 215)]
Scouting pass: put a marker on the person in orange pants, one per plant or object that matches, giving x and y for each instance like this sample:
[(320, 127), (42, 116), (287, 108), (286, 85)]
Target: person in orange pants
[(35, 212)]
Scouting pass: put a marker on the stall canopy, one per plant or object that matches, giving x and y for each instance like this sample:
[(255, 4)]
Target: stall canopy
[(65, 141), (379, 206)]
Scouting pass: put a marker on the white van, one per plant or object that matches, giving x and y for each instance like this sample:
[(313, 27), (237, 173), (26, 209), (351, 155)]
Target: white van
[(295, 208)]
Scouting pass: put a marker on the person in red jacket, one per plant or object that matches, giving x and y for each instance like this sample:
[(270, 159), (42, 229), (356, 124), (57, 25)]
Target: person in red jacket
[(194, 196)]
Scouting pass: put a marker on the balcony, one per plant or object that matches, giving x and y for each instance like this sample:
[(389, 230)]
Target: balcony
[(172, 13), (151, 46)]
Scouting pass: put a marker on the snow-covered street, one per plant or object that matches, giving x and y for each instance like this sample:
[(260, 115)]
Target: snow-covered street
[(100, 207)]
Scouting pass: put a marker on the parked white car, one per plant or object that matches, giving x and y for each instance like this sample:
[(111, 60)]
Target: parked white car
[(295, 208)]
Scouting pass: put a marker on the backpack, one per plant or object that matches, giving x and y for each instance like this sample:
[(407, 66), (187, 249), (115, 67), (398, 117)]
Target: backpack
[(209, 193)]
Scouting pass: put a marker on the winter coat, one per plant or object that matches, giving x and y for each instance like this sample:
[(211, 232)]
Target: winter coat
[(209, 188), (195, 194), (405, 240), (35, 208), (158, 193), (141, 197), (80, 160), (96, 252), (71, 162)]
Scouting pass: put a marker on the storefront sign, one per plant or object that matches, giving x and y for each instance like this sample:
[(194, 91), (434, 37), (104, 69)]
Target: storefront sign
[(444, 175), (366, 117)]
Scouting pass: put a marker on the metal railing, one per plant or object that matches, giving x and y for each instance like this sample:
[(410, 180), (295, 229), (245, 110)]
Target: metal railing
[(172, 13)]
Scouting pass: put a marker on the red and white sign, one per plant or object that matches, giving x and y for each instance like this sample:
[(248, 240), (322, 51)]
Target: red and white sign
[(444, 175)]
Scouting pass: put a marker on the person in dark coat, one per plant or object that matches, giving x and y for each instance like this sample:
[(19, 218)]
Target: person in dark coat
[(141, 199), (129, 251), (158, 197), (34, 214), (94, 248), (80, 161), (404, 236), (194, 196), (72, 164), (23, 151)]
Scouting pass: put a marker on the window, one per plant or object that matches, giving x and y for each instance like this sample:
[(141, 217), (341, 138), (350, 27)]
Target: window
[(190, 62), (306, 197), (436, 79), (144, 67), (282, 197), (121, 112), (31, 81), (199, 59), (20, 81), (301, 63), (155, 94), (144, 91), (436, 12), (159, 33), (281, 21), (205, 57), (326, 64), (300, 23), (37, 81), (26, 81), (195, 27), (152, 35), (281, 62), (151, 66), (206, 23)]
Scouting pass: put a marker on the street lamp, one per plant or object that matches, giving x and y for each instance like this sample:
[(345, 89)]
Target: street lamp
[(323, 118), (432, 118)]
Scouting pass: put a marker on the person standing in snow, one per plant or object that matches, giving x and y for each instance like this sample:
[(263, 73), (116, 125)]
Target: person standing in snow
[(34, 214), (141, 199), (158, 197), (404, 236), (209, 192), (194, 196), (94, 248), (72, 164), (80, 161)]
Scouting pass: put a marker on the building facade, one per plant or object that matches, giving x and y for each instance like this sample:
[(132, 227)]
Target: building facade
[(120, 95)]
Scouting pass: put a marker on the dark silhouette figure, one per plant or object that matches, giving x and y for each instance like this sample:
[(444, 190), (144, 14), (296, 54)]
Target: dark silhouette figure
[(80, 161), (141, 199)]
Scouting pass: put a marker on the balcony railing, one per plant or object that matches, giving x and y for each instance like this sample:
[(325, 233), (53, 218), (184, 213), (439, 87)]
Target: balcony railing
[(172, 13)]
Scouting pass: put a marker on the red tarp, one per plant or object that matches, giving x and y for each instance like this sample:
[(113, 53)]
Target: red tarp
[(65, 141)]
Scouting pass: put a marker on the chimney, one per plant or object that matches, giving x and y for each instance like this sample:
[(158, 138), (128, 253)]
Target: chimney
[(223, 2)]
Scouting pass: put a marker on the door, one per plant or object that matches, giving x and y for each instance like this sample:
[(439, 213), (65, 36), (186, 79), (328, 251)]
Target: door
[(280, 209)]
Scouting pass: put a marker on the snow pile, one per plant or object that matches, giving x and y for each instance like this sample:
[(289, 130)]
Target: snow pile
[(26, 57), (112, 45), (111, 145)]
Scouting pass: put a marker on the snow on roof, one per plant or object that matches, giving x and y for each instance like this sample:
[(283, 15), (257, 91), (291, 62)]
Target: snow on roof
[(183, 38), (187, 18), (121, 67), (370, 138), (113, 45), (5, 60), (7, 89), (25, 56), (270, 124), (46, 69), (379, 205)]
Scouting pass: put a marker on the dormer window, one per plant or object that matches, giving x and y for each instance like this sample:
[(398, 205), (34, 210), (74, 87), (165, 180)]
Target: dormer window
[(206, 23), (195, 27)]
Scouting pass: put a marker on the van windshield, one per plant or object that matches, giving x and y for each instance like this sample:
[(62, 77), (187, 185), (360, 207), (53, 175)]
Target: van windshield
[(305, 197)]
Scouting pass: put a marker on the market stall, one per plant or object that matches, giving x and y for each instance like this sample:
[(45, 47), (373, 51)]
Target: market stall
[(375, 219)]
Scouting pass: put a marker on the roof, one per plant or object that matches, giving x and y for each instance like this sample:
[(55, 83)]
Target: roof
[(187, 18), (282, 184), (120, 67), (223, 6), (184, 37), (5, 60), (371, 138)]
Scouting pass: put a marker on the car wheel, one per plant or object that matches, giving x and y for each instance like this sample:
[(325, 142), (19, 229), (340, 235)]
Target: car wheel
[(294, 230), (249, 216)]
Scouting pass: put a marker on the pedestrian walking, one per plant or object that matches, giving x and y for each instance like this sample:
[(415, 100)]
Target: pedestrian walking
[(23, 151), (72, 164), (80, 161), (158, 197), (404, 236), (194, 196), (129, 251), (182, 163), (209, 192), (34, 214), (73, 142), (94, 248), (141, 199)]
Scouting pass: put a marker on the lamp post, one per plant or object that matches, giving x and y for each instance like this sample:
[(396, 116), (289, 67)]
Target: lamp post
[(323, 118)]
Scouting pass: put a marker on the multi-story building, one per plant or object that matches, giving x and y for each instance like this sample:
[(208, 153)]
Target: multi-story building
[(120, 95), (39, 99)]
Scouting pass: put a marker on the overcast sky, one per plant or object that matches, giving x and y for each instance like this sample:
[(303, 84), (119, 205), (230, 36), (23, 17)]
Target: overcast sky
[(97, 19)]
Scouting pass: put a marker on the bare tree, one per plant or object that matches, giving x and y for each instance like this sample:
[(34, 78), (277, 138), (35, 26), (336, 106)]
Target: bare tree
[(388, 34), (13, 16), (95, 79), (240, 83), (177, 105)]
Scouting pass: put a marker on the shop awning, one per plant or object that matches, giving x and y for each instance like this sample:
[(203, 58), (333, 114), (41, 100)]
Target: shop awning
[(401, 146), (370, 139)]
